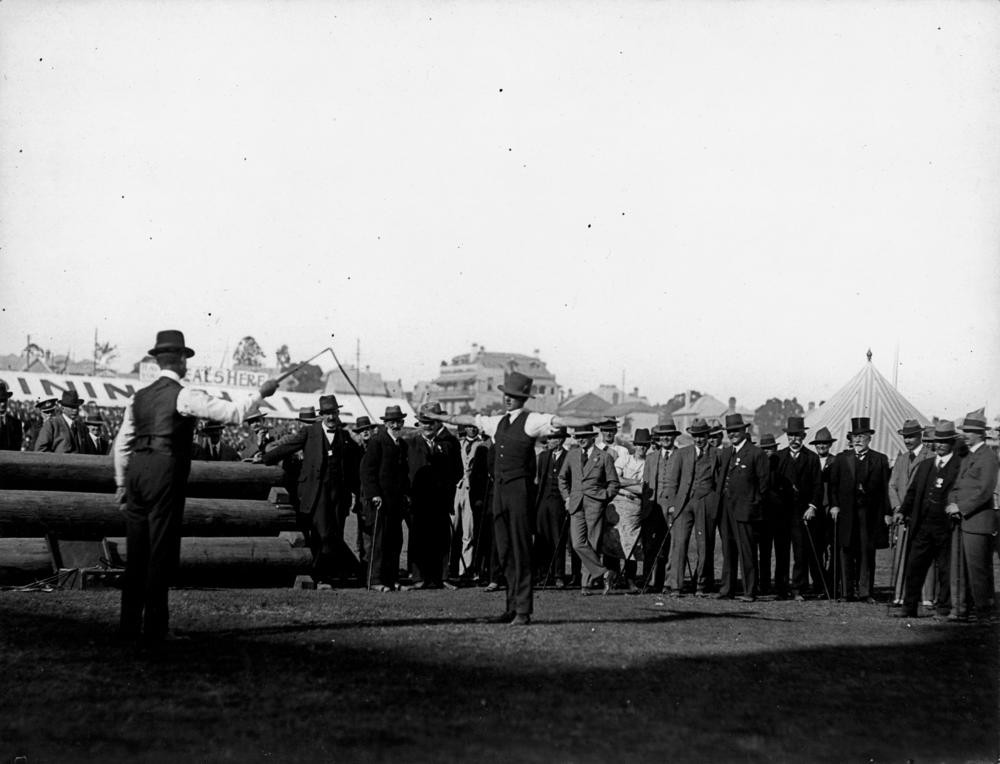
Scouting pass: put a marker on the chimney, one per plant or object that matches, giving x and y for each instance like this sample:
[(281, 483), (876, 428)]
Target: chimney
[(812, 405), (687, 398), (732, 405), (635, 393)]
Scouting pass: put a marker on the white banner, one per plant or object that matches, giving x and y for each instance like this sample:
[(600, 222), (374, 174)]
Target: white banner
[(200, 376), (115, 392)]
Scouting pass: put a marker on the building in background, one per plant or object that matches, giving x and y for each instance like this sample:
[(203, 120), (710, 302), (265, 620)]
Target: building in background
[(708, 408)]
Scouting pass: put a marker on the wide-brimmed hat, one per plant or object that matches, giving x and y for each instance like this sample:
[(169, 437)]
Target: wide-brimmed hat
[(767, 441), (795, 425), (363, 423), (666, 427), (429, 408), (699, 427), (586, 431), (945, 430), (911, 427), (608, 425), (170, 341), (975, 421), (861, 425), (47, 405), (641, 437), (70, 400), (822, 436), (559, 433), (256, 416), (735, 422), (928, 434), (328, 405), (516, 385), (308, 414), (5, 392), (393, 413)]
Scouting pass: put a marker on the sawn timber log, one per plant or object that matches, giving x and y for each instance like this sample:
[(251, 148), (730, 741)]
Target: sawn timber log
[(33, 471)]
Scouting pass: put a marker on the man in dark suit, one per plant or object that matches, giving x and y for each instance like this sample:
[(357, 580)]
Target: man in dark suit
[(385, 480), (11, 431), (773, 532), (655, 533), (329, 479), (96, 441), (435, 468), (859, 498), (152, 463), (588, 481), (823, 530), (929, 527), (903, 470), (550, 512), (210, 447), (63, 433), (691, 486), (797, 486), (255, 444), (970, 502), (745, 479)]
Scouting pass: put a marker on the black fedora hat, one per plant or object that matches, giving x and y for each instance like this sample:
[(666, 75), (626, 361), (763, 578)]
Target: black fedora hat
[(516, 385), (363, 423), (209, 426), (641, 437), (256, 416), (393, 413), (559, 433), (5, 392), (767, 441), (94, 419), (699, 427), (911, 427), (608, 425), (170, 341), (308, 414), (822, 436), (70, 400), (795, 425), (735, 422), (861, 425), (328, 405), (666, 427), (716, 427)]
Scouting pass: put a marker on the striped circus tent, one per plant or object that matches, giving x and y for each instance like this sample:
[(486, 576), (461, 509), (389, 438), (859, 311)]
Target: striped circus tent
[(868, 394)]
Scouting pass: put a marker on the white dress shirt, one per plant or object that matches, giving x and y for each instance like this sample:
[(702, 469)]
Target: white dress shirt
[(535, 426)]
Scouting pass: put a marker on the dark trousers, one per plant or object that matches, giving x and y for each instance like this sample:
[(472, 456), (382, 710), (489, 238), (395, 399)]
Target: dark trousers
[(774, 532), (512, 530), (331, 555), (382, 534), (653, 535), (807, 560), (430, 538), (978, 552), (155, 486), (550, 539), (858, 559), (737, 549), (705, 524), (931, 546)]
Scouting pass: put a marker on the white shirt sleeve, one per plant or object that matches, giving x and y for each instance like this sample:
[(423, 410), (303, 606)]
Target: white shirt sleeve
[(123, 445), (198, 403), (488, 424), (539, 425)]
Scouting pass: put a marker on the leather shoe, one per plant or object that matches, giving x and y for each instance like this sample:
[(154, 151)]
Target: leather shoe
[(505, 618), (492, 587), (610, 579), (721, 596), (746, 598), (521, 619)]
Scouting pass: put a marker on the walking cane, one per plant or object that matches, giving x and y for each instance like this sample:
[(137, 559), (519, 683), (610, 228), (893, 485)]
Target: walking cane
[(819, 565), (957, 573), (899, 579), (477, 558), (659, 552), (555, 555), (835, 551), (371, 550)]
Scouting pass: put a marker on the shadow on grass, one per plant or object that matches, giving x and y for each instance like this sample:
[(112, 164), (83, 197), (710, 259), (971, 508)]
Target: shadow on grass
[(233, 695)]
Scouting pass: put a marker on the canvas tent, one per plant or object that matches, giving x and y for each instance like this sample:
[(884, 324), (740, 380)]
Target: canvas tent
[(868, 394)]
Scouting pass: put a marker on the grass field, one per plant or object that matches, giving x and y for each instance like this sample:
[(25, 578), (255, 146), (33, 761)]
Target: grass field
[(288, 675)]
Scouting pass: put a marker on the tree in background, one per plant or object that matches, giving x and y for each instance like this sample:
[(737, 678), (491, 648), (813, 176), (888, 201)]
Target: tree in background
[(773, 415), (676, 403), (248, 353)]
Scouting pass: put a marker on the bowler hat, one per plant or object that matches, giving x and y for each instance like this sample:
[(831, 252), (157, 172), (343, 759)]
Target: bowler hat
[(70, 400), (975, 421), (822, 436), (170, 341), (5, 392), (393, 413), (767, 441), (735, 422), (699, 427), (587, 431), (328, 405), (363, 423), (861, 425), (516, 385), (47, 405), (308, 414), (911, 427), (796, 425), (945, 430), (667, 427), (641, 437), (608, 425)]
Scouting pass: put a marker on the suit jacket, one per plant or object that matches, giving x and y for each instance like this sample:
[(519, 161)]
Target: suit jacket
[(902, 473), (654, 479), (203, 452), (434, 469), (596, 480), (843, 493), (797, 482), (385, 470), (101, 448), (55, 436), (914, 507), (824, 475), (745, 482), (680, 475), (329, 470), (973, 491), (547, 477), (11, 433)]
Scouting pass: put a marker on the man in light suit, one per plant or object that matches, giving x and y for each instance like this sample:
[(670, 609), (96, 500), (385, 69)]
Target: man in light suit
[(903, 470), (588, 481), (63, 433), (655, 503), (971, 502), (692, 482)]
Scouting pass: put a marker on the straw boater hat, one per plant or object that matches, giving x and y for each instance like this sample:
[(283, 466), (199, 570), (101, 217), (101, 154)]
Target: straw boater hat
[(70, 400), (975, 421), (393, 413), (735, 422), (911, 427), (516, 385), (822, 436), (363, 423), (641, 437), (767, 441), (699, 427), (861, 425), (667, 427), (328, 405), (944, 431), (308, 414), (796, 425), (170, 341)]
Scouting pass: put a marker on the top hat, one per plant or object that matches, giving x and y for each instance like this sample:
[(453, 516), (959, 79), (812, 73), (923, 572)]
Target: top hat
[(699, 427), (363, 423), (516, 385), (608, 425), (735, 422), (328, 405), (861, 425), (49, 404), (975, 421), (171, 341), (429, 408), (209, 426), (796, 425), (587, 431), (559, 433), (666, 428), (70, 400), (767, 441), (308, 414), (641, 437), (393, 413), (822, 436), (254, 417), (945, 430), (5, 392), (911, 427)]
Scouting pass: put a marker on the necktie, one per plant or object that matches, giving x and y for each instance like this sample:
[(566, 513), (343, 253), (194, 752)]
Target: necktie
[(795, 454), (912, 457), (940, 463)]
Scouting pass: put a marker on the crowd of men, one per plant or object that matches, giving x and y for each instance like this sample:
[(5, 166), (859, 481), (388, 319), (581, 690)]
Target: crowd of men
[(523, 499)]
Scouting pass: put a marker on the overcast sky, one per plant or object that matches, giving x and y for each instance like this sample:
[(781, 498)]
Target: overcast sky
[(740, 198)]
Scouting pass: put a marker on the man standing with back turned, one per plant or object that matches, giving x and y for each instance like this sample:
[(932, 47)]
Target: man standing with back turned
[(152, 462)]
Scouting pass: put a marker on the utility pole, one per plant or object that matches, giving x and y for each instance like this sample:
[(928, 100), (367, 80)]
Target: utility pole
[(95, 351), (357, 364)]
